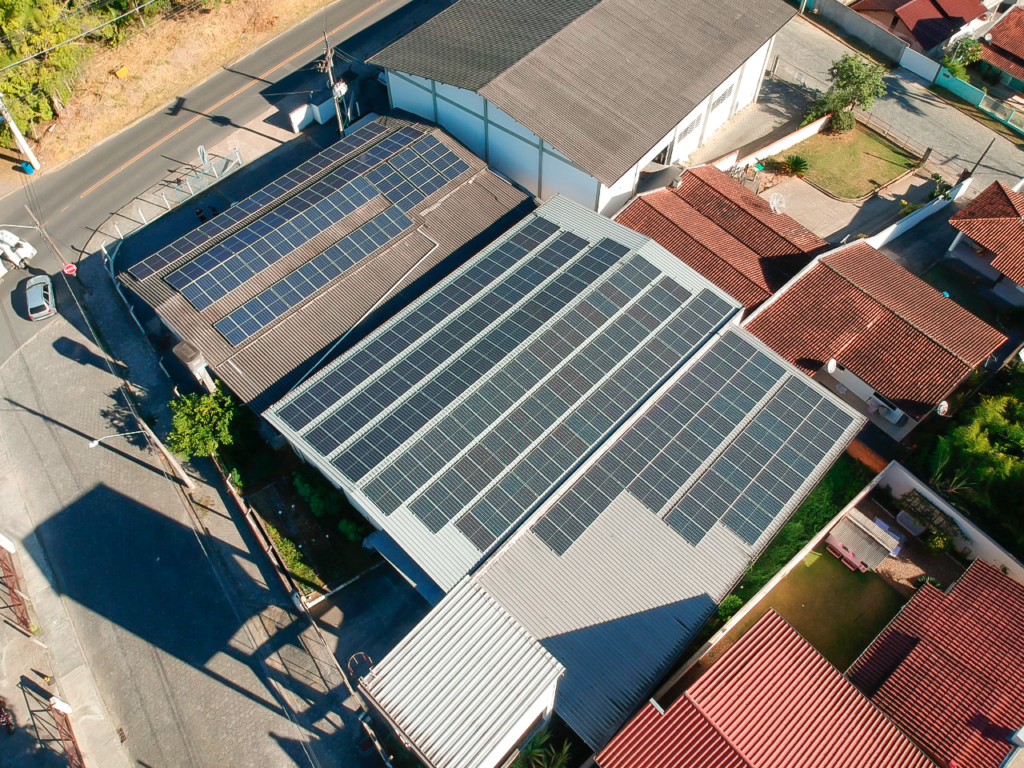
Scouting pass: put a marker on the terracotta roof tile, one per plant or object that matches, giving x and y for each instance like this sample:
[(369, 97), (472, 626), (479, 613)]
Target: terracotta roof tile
[(747, 217), (935, 21), (771, 702), (949, 669), (1006, 48), (702, 245), (995, 220), (887, 326)]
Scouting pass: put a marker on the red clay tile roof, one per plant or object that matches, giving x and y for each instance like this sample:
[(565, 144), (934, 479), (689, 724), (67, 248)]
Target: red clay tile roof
[(995, 220), (746, 216), (949, 669), (724, 231), (1006, 48), (771, 702), (702, 245), (930, 21), (887, 326)]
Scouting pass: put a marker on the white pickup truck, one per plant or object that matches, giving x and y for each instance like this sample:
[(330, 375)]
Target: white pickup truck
[(15, 250)]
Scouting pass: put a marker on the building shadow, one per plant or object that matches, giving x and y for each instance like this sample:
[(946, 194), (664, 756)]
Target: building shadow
[(81, 354)]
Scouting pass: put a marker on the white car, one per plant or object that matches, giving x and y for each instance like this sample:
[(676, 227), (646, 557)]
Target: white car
[(39, 298), (17, 251)]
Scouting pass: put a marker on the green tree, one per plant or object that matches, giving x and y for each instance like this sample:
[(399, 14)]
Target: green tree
[(853, 81), (201, 424)]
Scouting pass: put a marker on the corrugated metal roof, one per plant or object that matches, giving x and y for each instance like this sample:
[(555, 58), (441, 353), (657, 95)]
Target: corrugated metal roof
[(864, 538), (887, 326), (585, 75), (949, 669), (459, 682), (448, 554), (263, 368), (626, 598), (772, 701)]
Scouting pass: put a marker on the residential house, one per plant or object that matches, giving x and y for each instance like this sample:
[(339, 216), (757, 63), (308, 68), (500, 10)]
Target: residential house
[(1002, 48), (772, 701), (949, 670), (924, 25), (263, 292), (865, 327), (990, 239), (618, 567), (577, 97), (725, 232)]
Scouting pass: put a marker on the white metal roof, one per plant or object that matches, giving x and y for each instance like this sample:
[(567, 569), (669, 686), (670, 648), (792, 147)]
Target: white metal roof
[(459, 682)]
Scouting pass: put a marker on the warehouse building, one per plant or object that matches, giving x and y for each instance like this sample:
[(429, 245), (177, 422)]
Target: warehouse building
[(577, 97)]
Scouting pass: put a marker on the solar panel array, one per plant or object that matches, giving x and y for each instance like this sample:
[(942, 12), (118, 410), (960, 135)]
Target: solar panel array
[(403, 167), (252, 204), (478, 400), (731, 441)]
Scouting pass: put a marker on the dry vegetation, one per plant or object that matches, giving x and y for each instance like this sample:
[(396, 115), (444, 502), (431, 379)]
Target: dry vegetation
[(163, 61)]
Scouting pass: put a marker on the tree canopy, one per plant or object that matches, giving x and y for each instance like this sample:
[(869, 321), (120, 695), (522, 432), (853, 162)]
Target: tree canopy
[(852, 81), (201, 424)]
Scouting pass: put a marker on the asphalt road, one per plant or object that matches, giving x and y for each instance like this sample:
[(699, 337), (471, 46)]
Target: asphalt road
[(74, 200)]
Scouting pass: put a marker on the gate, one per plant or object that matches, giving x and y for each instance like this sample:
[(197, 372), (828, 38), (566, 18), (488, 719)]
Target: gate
[(9, 576)]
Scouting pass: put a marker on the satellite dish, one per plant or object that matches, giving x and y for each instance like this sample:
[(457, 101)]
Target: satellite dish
[(831, 365), (778, 202), (943, 408)]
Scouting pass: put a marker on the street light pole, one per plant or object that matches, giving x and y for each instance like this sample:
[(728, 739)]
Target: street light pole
[(98, 440)]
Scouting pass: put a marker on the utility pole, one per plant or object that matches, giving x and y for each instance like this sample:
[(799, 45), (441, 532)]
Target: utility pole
[(328, 67), (26, 150)]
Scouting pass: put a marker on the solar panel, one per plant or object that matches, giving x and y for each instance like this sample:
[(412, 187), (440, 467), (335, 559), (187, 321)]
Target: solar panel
[(460, 291), (285, 294), (736, 434), (270, 193), (475, 358)]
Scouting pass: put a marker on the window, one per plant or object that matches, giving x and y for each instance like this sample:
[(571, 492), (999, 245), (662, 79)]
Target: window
[(721, 98), (693, 125)]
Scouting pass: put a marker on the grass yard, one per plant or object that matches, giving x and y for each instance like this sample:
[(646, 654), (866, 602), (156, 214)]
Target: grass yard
[(854, 164), (838, 611)]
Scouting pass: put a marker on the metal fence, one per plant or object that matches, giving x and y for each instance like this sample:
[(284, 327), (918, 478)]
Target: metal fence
[(193, 179)]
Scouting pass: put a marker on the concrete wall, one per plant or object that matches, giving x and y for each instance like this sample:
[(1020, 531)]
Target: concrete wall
[(900, 480), (920, 65), (965, 91), (888, 45), (909, 222), (780, 145)]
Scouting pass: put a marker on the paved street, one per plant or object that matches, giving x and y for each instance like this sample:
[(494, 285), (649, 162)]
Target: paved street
[(165, 625), (910, 108)]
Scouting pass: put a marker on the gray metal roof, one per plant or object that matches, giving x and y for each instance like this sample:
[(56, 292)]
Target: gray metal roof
[(618, 605), (486, 674), (460, 216), (602, 81), (864, 538), (447, 453)]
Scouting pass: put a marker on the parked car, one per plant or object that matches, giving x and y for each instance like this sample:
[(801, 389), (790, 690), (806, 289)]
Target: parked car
[(17, 251), (40, 298)]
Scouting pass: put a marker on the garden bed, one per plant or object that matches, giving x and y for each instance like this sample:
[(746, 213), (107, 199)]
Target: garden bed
[(852, 165)]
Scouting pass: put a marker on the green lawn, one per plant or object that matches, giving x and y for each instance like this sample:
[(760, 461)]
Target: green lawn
[(838, 611), (854, 164)]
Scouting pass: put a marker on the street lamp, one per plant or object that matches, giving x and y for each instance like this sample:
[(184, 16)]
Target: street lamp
[(98, 440)]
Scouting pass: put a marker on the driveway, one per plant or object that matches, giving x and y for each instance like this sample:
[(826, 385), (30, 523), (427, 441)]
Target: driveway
[(909, 107)]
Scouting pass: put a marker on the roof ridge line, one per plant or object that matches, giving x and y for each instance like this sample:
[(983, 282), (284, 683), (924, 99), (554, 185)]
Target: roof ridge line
[(752, 215), (899, 317), (698, 242), (707, 719)]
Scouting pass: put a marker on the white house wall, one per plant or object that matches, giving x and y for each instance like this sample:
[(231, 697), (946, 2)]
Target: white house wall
[(519, 154)]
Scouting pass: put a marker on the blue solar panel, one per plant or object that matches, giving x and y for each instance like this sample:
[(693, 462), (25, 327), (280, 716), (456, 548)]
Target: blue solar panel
[(316, 273), (210, 229), (385, 346)]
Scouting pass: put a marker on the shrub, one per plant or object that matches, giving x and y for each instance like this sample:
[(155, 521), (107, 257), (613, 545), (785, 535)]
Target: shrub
[(294, 561), (201, 424), (842, 121), (350, 530), (729, 607), (323, 499), (956, 68), (796, 165), (938, 542)]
